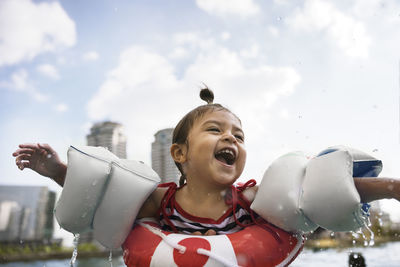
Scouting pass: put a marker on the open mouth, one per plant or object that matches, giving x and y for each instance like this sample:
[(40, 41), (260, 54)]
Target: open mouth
[(226, 156)]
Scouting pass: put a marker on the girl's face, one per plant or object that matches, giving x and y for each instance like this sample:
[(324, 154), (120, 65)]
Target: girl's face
[(215, 151)]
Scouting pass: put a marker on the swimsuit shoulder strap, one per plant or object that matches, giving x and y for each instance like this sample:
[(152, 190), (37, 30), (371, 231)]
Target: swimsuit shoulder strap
[(167, 205)]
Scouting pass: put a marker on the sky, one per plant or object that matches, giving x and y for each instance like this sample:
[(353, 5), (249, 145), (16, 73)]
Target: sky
[(301, 75)]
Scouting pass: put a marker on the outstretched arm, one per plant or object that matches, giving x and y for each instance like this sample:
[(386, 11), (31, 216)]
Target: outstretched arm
[(43, 159), (371, 189)]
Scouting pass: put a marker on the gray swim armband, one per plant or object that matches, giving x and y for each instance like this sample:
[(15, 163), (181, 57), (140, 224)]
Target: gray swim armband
[(103, 194), (298, 195)]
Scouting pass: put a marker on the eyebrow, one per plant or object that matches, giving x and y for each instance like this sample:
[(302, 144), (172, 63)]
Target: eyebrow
[(220, 123)]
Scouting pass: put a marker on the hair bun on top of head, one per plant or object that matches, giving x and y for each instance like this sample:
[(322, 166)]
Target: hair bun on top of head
[(207, 95)]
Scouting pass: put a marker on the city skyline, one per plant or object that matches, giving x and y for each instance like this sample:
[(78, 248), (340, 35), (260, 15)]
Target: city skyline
[(26, 214)]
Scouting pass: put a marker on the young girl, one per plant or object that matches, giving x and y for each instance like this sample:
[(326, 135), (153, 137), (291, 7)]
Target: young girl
[(208, 149)]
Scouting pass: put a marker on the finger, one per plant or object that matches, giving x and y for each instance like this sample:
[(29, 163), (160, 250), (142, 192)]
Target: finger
[(196, 233), (46, 147), (23, 151), (23, 164), (23, 157), (211, 232), (29, 145)]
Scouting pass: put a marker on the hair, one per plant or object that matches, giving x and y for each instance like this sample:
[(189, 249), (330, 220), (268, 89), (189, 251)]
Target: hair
[(184, 126)]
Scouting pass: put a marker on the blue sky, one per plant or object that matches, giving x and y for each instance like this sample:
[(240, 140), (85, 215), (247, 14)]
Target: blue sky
[(301, 75)]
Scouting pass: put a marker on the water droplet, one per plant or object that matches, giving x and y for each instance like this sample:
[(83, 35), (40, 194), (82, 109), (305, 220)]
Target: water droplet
[(355, 235), (333, 234), (94, 182), (75, 251), (390, 187), (49, 156), (110, 259), (21, 241), (84, 215)]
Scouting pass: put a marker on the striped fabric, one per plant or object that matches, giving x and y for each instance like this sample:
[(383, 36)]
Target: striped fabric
[(186, 223)]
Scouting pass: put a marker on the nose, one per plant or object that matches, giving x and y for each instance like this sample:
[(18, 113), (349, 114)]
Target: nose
[(229, 138)]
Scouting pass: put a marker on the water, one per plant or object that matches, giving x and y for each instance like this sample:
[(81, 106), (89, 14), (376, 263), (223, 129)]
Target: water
[(387, 255), (90, 262)]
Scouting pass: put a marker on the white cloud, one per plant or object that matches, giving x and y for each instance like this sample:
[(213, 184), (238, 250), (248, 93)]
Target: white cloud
[(282, 2), (273, 31), (49, 71), (321, 16), (28, 29), (284, 114), (61, 107), (251, 52), (178, 52), (19, 82), (91, 56), (146, 76), (223, 8), (225, 36)]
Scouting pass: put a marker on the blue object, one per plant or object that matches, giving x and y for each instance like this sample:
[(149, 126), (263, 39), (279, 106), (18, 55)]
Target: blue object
[(364, 167), (368, 167)]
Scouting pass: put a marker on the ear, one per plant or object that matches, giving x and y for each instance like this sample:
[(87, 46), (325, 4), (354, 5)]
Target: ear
[(178, 152)]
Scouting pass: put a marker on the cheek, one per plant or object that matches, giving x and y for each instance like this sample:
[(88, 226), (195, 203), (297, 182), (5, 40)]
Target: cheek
[(243, 157)]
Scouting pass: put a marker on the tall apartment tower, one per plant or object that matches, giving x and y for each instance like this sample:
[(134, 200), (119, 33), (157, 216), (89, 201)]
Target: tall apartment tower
[(161, 160), (26, 213), (110, 135)]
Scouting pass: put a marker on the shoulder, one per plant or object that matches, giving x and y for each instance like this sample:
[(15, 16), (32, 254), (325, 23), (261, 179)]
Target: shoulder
[(151, 205), (250, 193), (248, 190)]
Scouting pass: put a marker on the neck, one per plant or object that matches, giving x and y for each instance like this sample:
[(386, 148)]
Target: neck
[(203, 200), (200, 192)]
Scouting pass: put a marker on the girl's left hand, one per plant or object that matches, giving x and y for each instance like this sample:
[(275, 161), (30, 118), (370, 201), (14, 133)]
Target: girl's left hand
[(209, 232)]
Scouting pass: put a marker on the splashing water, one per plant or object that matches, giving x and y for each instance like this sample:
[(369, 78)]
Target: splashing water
[(75, 252), (371, 236), (110, 259)]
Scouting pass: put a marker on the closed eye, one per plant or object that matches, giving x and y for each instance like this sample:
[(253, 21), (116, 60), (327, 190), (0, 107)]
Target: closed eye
[(240, 137), (213, 130)]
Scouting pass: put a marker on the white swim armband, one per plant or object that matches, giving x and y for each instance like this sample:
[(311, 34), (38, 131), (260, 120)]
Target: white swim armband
[(278, 196), (330, 198), (103, 193), (298, 195)]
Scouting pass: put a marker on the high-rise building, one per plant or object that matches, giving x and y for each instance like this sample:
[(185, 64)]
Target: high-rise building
[(161, 160), (110, 135), (26, 213)]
